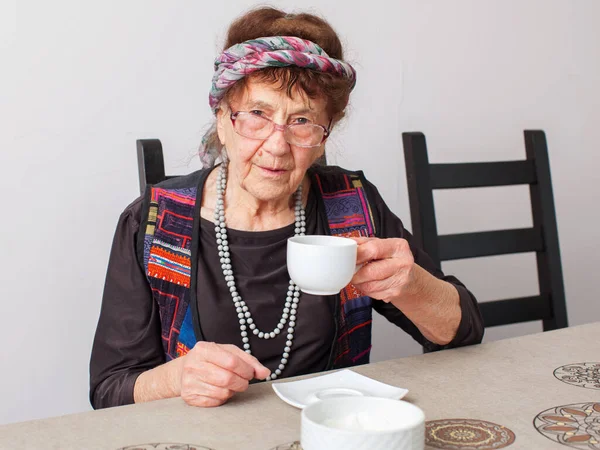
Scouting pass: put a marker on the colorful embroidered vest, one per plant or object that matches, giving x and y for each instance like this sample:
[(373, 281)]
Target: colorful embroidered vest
[(168, 260)]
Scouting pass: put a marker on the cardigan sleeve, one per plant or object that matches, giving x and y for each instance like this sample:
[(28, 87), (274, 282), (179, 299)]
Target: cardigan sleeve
[(128, 335)]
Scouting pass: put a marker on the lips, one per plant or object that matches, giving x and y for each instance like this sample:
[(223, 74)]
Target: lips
[(274, 170)]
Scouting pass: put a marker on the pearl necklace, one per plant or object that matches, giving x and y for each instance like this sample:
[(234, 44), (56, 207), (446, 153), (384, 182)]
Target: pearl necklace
[(293, 294)]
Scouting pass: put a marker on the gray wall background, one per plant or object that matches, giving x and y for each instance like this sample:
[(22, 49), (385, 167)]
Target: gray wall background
[(81, 81)]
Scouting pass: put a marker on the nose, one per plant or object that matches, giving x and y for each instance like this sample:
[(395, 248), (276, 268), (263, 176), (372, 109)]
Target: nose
[(276, 143)]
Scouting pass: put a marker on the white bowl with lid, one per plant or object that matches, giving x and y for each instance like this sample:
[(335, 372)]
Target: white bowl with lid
[(362, 423)]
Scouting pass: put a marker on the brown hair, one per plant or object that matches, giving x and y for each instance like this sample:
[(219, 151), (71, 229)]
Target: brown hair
[(268, 21)]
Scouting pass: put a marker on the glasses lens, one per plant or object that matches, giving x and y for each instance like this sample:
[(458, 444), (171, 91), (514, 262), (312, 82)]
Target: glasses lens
[(305, 135), (253, 126)]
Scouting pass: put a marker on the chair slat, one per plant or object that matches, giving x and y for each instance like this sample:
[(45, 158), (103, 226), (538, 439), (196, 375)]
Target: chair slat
[(482, 174), (151, 164), (488, 243), (516, 310)]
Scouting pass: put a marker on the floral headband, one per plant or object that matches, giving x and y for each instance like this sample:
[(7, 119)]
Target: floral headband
[(275, 51)]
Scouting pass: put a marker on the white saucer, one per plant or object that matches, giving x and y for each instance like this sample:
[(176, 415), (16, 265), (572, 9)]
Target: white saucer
[(344, 383)]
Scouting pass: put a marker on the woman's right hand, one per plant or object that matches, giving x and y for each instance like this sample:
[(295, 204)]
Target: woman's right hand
[(212, 373)]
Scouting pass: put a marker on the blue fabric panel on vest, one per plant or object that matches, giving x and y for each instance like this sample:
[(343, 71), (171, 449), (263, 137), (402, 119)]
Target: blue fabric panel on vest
[(187, 336)]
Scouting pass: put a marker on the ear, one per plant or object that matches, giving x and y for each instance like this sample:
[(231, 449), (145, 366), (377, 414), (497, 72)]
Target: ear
[(221, 118)]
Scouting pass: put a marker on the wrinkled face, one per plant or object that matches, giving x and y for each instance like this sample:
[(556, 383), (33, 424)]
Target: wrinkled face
[(269, 169)]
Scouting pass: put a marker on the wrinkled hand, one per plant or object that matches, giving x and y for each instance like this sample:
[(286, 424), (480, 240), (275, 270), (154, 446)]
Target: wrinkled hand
[(389, 270), (212, 373)]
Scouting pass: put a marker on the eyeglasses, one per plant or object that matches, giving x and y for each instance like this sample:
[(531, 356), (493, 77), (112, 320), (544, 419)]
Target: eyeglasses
[(254, 126)]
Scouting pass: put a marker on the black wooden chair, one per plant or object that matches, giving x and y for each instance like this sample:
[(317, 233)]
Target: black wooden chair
[(423, 177), (151, 163)]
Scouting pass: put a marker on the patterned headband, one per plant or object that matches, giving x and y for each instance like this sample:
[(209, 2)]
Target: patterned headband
[(276, 51)]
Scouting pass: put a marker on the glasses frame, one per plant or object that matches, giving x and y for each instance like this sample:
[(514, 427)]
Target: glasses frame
[(276, 127)]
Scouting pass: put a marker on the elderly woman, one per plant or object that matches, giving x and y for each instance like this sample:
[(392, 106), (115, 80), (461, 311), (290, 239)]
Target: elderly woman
[(198, 302)]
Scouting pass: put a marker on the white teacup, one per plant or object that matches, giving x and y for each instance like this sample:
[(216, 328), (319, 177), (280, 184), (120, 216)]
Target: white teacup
[(362, 423), (321, 265)]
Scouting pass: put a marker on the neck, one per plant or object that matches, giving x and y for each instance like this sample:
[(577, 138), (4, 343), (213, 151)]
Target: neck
[(238, 199)]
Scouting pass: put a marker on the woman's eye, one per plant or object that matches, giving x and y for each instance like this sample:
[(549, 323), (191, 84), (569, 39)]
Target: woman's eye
[(257, 112), (301, 120)]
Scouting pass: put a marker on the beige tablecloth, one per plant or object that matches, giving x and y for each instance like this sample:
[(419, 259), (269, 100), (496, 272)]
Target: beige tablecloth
[(506, 382)]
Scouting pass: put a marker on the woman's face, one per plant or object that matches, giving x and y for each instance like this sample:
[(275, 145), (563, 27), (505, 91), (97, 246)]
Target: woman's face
[(269, 169)]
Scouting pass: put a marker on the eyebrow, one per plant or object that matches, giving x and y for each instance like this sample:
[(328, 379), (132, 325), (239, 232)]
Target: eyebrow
[(266, 106), (259, 104)]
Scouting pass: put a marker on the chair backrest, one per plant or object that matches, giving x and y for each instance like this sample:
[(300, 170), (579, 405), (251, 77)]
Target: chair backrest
[(542, 238), (151, 163)]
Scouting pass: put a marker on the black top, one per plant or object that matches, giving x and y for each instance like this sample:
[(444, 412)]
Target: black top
[(128, 342)]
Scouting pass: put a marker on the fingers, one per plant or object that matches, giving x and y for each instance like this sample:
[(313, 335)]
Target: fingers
[(198, 392), (362, 240), (260, 371), (193, 387), (387, 267), (216, 376), (374, 271), (213, 373), (380, 290), (203, 402), (224, 357), (370, 249), (371, 287)]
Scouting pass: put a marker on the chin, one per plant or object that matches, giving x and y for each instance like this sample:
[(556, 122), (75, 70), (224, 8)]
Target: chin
[(267, 193), (270, 189)]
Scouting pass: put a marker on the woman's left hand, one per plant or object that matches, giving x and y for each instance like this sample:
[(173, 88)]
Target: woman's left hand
[(388, 272)]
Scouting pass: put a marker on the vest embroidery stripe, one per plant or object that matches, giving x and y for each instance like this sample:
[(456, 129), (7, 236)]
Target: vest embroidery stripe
[(167, 254), (349, 215)]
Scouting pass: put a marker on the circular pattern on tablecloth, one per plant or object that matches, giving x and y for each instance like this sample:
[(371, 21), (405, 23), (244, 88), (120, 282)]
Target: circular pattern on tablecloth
[(165, 446), (289, 446), (576, 425), (585, 375), (459, 434)]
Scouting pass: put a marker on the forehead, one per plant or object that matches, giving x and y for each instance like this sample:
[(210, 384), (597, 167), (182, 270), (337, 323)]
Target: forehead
[(265, 94)]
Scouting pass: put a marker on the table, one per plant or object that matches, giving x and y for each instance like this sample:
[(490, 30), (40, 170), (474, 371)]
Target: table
[(507, 382)]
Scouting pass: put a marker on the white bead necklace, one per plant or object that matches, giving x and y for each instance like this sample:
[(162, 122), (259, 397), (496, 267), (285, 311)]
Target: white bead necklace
[(293, 294)]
